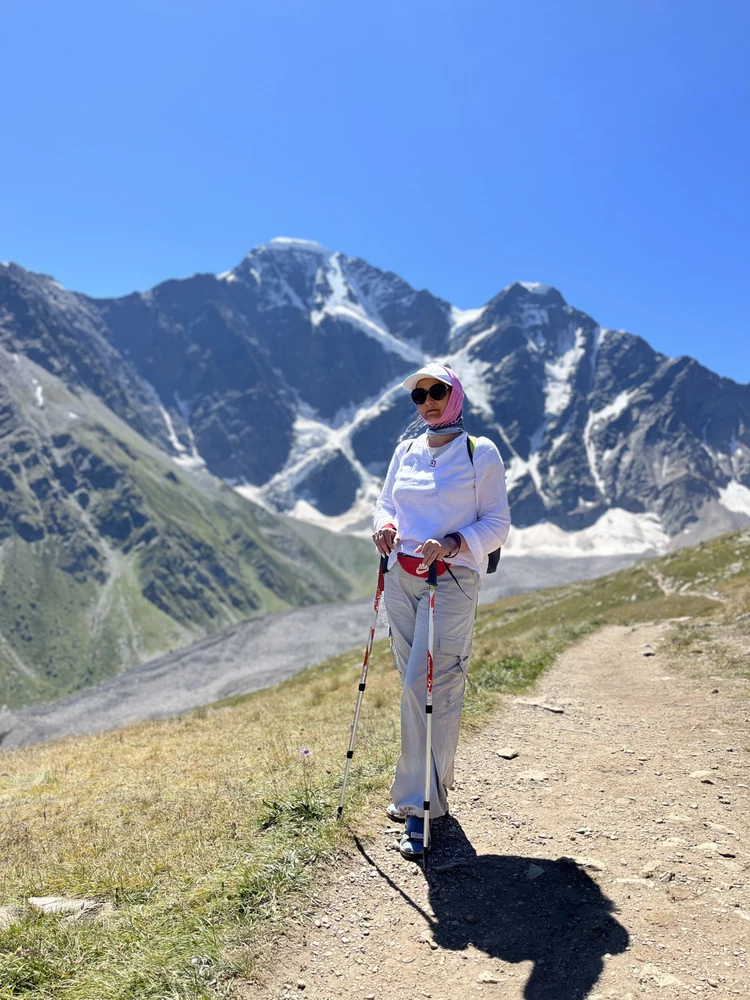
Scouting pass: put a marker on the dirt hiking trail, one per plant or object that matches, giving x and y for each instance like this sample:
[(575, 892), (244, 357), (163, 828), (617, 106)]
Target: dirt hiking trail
[(608, 859)]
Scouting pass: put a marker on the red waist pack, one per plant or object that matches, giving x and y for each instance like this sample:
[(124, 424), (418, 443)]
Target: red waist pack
[(411, 564)]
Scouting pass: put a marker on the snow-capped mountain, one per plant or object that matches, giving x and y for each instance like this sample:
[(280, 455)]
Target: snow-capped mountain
[(283, 377)]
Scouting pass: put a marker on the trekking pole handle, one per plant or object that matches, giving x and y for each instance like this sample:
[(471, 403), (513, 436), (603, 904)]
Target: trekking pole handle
[(384, 564), (432, 574)]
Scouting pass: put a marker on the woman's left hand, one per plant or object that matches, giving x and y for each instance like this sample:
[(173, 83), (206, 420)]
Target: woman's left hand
[(432, 549)]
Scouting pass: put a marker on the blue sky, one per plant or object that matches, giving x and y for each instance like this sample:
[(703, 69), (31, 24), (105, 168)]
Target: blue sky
[(599, 147)]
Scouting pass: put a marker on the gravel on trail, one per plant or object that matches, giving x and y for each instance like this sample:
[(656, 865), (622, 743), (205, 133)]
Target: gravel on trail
[(249, 656), (608, 859)]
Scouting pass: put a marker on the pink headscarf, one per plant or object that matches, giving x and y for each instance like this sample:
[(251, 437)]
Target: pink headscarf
[(452, 414)]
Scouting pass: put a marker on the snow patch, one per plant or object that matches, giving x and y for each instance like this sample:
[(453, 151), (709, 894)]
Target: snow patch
[(515, 471), (535, 287), (595, 419), (193, 460), (341, 304), (355, 521), (617, 532), (461, 318), (263, 267), (532, 316), (292, 243), (189, 461), (349, 421), (558, 390), (314, 441), (735, 497), (599, 335), (252, 493), (178, 446), (389, 343), (519, 467), (471, 371), (557, 441), (533, 469), (477, 339), (613, 410), (277, 294)]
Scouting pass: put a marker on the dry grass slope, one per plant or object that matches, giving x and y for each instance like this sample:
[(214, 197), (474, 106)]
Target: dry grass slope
[(202, 833)]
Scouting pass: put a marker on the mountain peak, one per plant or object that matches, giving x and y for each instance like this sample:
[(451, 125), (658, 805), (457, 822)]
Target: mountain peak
[(293, 243), (281, 255)]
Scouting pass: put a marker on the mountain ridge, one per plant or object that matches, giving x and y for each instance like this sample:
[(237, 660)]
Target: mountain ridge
[(282, 375)]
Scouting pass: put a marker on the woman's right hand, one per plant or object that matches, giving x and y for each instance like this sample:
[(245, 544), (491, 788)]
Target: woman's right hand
[(385, 539)]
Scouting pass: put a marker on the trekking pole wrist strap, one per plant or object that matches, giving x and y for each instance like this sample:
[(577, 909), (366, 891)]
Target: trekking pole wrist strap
[(457, 540)]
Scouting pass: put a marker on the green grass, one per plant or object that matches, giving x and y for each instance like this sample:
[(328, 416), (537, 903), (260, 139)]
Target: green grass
[(203, 834)]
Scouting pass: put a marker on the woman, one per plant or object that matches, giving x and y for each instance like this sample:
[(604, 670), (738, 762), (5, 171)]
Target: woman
[(436, 503)]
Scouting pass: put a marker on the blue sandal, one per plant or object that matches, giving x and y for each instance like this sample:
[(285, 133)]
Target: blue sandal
[(411, 845)]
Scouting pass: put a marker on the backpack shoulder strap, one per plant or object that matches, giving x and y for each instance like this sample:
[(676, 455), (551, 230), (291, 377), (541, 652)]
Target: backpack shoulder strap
[(493, 558)]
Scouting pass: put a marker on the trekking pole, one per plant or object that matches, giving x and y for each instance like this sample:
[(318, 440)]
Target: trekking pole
[(432, 587), (363, 680)]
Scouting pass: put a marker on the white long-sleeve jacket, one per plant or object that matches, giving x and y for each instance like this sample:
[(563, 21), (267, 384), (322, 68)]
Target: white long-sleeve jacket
[(425, 501)]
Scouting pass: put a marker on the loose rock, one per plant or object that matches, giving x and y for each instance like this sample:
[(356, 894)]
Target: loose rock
[(76, 909), (489, 977), (10, 915)]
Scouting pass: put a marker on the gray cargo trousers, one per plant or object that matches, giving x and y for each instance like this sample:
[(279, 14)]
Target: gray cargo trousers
[(407, 606)]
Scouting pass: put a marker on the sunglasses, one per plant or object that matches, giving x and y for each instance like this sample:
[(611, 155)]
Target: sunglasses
[(437, 391)]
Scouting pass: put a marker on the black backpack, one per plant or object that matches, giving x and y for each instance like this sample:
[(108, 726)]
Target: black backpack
[(494, 557)]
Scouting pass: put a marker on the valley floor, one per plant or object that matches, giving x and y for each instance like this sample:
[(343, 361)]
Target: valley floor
[(608, 859), (253, 655)]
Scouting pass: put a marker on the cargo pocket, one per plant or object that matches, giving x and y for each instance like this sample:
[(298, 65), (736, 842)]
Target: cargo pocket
[(452, 645), (394, 654)]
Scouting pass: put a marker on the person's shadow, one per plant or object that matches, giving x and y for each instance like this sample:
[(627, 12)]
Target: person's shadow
[(520, 909)]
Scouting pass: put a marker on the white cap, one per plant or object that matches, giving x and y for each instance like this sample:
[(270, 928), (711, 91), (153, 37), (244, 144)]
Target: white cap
[(435, 371)]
